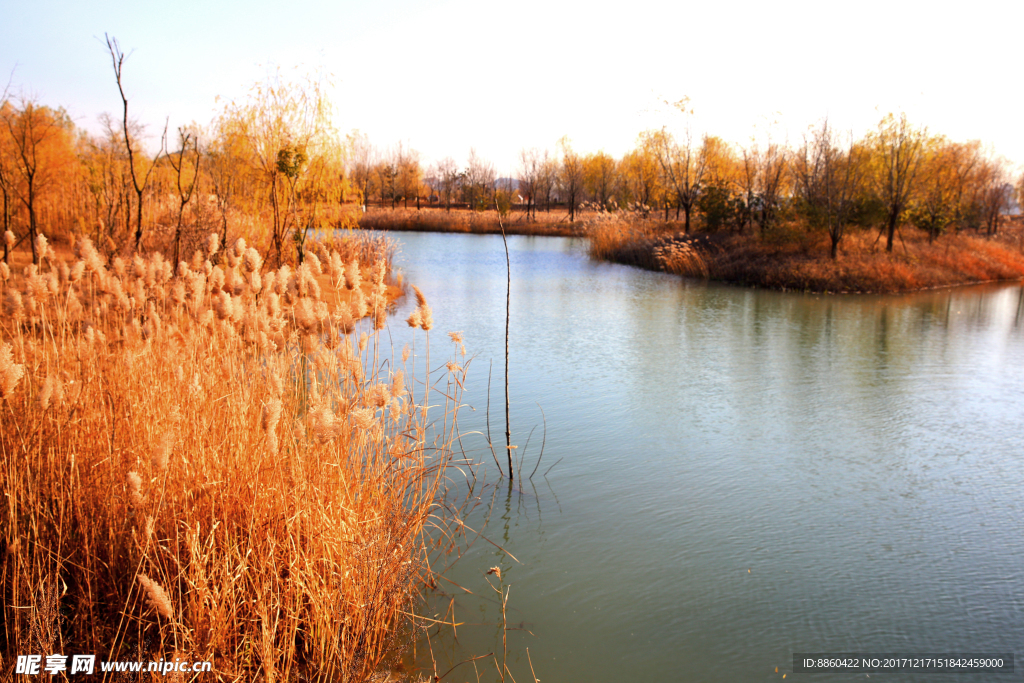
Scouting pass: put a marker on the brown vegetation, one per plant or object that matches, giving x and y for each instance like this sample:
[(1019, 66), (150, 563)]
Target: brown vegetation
[(479, 222), (795, 259), (211, 462)]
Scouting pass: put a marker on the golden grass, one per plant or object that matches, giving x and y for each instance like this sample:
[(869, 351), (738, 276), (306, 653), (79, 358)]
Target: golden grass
[(209, 464), (648, 244), (465, 221), (795, 259)]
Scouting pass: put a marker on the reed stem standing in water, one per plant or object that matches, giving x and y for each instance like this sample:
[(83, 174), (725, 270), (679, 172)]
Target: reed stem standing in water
[(508, 299)]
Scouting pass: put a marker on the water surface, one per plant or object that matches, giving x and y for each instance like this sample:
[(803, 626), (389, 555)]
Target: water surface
[(741, 474)]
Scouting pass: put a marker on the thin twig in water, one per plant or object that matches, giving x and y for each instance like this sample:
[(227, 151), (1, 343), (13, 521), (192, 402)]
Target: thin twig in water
[(535, 679), (465, 661), (492, 542), (522, 456), (488, 418), (553, 466), (542, 443)]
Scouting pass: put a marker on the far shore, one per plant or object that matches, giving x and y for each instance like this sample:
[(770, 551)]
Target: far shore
[(790, 259), (553, 223)]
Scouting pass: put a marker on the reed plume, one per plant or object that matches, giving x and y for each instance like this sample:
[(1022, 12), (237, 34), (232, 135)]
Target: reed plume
[(157, 597)]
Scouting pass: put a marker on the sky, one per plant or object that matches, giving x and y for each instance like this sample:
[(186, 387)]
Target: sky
[(445, 76)]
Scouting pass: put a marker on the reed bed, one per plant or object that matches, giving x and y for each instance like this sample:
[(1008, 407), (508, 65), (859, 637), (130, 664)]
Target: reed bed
[(211, 462)]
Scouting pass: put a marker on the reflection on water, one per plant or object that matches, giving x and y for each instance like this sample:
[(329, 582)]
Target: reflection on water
[(740, 474)]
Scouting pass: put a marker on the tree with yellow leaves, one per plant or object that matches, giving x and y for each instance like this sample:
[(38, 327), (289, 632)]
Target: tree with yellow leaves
[(897, 149), (286, 125), (38, 149), (718, 201), (936, 206), (641, 176), (599, 178)]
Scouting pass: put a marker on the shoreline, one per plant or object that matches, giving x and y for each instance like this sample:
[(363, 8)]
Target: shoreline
[(791, 260)]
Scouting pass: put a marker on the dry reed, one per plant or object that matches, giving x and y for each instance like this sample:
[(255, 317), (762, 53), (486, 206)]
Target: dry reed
[(625, 238), (211, 464)]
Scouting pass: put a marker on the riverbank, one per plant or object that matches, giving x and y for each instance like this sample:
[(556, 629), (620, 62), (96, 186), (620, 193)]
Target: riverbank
[(789, 259), (796, 260)]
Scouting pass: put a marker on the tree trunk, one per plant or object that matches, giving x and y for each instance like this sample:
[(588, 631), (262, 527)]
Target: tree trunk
[(177, 239), (891, 230), (277, 221), (138, 225), (31, 205)]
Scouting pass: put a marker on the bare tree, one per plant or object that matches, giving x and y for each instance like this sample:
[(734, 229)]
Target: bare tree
[(362, 160), (185, 190), (529, 170), (117, 58), (828, 179), (748, 185), (772, 164), (447, 172), (571, 176), (480, 177), (994, 193), (547, 175), (683, 167)]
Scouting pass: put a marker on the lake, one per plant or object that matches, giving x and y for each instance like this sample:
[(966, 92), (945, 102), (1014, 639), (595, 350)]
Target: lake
[(741, 474)]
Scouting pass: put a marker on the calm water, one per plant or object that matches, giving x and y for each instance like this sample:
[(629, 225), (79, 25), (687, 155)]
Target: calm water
[(741, 474)]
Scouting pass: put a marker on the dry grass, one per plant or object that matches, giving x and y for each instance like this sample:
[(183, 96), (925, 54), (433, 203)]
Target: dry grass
[(212, 463), (794, 259), (648, 244), (466, 221), (864, 266)]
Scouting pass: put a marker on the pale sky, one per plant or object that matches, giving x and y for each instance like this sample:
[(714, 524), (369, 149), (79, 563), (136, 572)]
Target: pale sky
[(444, 76)]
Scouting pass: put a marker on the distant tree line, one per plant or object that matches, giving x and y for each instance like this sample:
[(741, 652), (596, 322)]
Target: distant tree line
[(830, 181), (273, 167)]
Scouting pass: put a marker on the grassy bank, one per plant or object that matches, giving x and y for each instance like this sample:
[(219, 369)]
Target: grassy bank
[(793, 259), (213, 463)]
